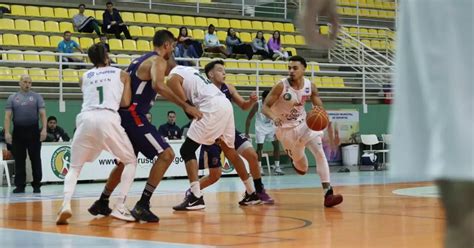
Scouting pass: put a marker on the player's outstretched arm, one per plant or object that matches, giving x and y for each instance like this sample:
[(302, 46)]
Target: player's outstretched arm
[(271, 98), (312, 10), (175, 83), (249, 119), (127, 90), (240, 101)]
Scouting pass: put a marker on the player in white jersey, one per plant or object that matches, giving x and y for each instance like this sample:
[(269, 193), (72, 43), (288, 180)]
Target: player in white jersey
[(217, 124), (432, 116), (104, 89), (264, 131), (285, 106)]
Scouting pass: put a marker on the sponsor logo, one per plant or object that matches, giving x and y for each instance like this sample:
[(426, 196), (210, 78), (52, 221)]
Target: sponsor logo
[(60, 161), (287, 96), (90, 74), (226, 166)]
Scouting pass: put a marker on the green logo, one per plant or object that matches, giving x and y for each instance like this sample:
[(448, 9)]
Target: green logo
[(287, 96), (60, 161), (226, 166)]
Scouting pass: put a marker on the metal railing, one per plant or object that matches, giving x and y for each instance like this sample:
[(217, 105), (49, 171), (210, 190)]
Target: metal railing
[(351, 85), (252, 8)]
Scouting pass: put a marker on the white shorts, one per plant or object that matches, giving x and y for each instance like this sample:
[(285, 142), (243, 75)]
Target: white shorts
[(262, 135), (294, 139), (99, 130), (214, 125)]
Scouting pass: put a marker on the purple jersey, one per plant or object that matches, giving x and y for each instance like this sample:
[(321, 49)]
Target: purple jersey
[(143, 94), (224, 89)]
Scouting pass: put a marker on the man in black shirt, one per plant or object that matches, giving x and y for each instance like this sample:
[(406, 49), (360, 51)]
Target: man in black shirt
[(170, 129), (55, 133), (113, 23)]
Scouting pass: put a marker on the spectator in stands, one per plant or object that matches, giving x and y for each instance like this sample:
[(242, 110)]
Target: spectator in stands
[(4, 10), (170, 129), (274, 46), (236, 46), (259, 45), (211, 42), (85, 24), (25, 108), (113, 23), (67, 46), (55, 133), (186, 47), (103, 41), (184, 38)]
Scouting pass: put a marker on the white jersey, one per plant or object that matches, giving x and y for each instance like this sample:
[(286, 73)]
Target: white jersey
[(290, 105), (198, 89), (102, 88), (262, 122)]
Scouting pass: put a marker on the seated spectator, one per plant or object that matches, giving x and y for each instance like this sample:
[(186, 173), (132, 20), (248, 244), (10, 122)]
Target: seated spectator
[(67, 46), (211, 42), (274, 47), (103, 41), (259, 46), (85, 24), (54, 132), (188, 47), (236, 46), (170, 130), (113, 23), (4, 10)]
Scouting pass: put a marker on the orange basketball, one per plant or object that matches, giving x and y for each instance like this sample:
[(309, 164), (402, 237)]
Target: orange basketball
[(317, 119)]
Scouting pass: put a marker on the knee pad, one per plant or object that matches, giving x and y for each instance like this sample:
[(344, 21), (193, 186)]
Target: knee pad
[(188, 150)]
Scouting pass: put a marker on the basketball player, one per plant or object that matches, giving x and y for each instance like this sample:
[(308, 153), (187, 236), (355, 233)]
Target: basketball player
[(217, 124), (284, 105), (105, 89), (147, 73), (264, 131), (215, 71)]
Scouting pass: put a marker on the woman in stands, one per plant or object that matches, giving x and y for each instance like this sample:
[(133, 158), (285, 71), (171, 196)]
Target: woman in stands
[(236, 46), (259, 45), (188, 47), (275, 48)]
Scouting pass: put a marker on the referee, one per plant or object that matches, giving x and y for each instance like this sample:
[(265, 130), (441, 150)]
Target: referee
[(25, 106)]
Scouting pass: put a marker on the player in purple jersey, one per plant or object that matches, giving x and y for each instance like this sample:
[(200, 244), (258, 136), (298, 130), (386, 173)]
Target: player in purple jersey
[(148, 78), (215, 71)]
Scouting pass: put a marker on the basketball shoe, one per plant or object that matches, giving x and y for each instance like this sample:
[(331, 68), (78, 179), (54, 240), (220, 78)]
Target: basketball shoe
[(330, 199), (64, 214), (250, 199), (122, 213), (141, 211), (191, 202), (265, 198), (100, 207)]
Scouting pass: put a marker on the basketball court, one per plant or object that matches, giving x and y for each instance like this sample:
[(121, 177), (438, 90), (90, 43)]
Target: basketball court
[(377, 212)]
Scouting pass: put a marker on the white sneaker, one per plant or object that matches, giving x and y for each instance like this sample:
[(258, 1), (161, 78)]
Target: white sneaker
[(121, 212), (278, 171), (64, 214)]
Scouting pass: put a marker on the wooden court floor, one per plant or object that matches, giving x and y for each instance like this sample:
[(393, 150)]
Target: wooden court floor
[(370, 216)]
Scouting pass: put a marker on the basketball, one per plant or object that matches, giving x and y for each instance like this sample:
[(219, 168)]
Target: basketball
[(317, 119)]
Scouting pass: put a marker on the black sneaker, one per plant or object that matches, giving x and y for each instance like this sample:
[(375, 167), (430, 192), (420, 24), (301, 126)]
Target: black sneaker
[(18, 190), (191, 202), (36, 190), (250, 199), (142, 212), (100, 207)]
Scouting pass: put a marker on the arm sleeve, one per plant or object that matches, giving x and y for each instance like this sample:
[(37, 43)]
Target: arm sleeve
[(9, 104)]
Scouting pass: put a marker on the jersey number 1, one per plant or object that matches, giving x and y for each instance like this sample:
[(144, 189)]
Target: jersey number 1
[(100, 89)]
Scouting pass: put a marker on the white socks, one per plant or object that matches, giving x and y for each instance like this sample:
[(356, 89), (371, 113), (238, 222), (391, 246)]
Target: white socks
[(70, 182), (249, 185), (126, 180), (196, 189)]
